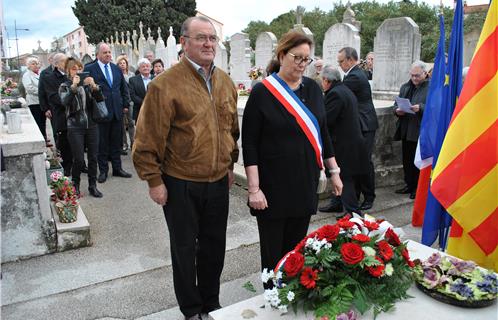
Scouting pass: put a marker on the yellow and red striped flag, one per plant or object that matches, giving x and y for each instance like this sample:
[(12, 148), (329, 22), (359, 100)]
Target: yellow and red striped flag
[(465, 180)]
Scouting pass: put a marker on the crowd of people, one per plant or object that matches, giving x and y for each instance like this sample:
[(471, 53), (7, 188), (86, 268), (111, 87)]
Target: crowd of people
[(183, 130)]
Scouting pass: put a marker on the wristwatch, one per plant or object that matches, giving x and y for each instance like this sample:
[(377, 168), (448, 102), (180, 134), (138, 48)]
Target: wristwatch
[(335, 170)]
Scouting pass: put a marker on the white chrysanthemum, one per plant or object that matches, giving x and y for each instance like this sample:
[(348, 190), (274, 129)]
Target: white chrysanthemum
[(271, 295), (369, 251), (278, 276), (267, 275), (282, 308), (290, 296), (389, 269), (309, 242)]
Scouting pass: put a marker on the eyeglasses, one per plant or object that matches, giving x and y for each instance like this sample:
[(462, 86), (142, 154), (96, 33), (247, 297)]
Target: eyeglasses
[(205, 38), (299, 59), (340, 61), (417, 75)]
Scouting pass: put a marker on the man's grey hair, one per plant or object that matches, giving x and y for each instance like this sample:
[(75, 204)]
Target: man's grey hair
[(419, 64), (97, 47), (143, 61), (58, 57), (350, 53), (32, 59), (331, 74), (188, 21)]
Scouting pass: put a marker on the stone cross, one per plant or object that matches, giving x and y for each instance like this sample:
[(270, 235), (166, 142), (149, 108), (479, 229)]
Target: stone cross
[(112, 39), (141, 26), (122, 38), (299, 14), (117, 36), (134, 37), (171, 31), (148, 33), (39, 43), (127, 37), (158, 32)]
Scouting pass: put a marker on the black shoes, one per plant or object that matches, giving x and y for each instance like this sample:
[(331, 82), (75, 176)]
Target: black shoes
[(121, 173), (102, 177), (331, 207), (404, 190), (194, 317), (94, 192), (124, 152), (366, 205), (84, 169)]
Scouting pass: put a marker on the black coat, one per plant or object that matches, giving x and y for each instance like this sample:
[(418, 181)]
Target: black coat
[(408, 125), (116, 98), (287, 166), (79, 105), (343, 123), (54, 81), (137, 94), (42, 92), (357, 81)]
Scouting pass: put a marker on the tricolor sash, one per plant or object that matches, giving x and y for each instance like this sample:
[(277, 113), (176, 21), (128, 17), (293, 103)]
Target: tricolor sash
[(304, 117)]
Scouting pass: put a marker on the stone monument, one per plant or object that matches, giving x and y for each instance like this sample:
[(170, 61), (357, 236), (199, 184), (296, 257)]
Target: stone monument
[(266, 43), (171, 49), (396, 47), (299, 26), (240, 58), (221, 58), (338, 36), (161, 51)]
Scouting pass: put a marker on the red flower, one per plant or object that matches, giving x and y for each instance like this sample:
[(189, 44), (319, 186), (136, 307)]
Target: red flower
[(406, 256), (293, 264), (371, 225), (345, 223), (385, 250), (392, 237), (352, 253), (378, 270), (328, 232), (361, 238), (309, 277)]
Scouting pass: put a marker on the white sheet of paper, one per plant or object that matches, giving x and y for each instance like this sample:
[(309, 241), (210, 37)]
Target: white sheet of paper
[(404, 104)]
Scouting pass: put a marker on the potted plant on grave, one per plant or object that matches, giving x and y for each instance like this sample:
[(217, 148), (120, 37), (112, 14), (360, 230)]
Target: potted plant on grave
[(64, 196), (52, 164), (352, 266)]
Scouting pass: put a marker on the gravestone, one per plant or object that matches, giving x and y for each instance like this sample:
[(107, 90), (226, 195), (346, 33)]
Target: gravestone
[(171, 48), (221, 58), (161, 51), (151, 44), (266, 43), (299, 26), (338, 36), (141, 42), (396, 47), (240, 58)]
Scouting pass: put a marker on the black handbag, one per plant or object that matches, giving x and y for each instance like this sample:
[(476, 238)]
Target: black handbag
[(100, 111)]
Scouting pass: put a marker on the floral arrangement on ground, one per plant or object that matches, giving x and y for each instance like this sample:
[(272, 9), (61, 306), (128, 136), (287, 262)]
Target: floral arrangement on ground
[(456, 278), (352, 266), (7, 87), (255, 73), (242, 91)]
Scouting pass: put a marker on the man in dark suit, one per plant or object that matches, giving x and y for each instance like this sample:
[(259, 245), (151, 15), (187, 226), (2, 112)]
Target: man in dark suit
[(42, 93), (408, 125), (56, 111), (343, 123), (138, 85), (111, 80), (357, 82)]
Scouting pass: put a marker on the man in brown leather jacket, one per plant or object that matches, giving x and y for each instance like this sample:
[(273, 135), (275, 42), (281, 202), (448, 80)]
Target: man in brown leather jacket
[(185, 147)]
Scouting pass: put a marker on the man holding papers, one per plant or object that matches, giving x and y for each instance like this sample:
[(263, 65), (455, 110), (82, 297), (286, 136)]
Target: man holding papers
[(409, 108)]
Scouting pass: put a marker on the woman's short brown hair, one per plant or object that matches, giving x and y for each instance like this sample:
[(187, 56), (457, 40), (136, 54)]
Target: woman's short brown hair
[(121, 58), (291, 40), (71, 62)]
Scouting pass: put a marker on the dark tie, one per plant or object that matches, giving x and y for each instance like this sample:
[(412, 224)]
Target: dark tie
[(107, 76)]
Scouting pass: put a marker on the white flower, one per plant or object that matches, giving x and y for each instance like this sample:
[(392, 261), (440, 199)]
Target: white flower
[(283, 308), (369, 251), (310, 241), (267, 275), (290, 296), (389, 269), (279, 275), (271, 295)]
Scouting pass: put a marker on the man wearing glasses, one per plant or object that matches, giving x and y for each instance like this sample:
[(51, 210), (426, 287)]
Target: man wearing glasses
[(408, 125), (356, 80), (185, 147)]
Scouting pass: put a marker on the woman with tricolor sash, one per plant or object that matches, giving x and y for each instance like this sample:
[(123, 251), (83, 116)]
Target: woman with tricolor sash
[(285, 146)]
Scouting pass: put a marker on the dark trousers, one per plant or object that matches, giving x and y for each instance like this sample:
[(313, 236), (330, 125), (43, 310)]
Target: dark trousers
[(349, 196), (366, 182), (63, 145), (110, 140), (196, 214), (410, 171), (40, 119), (77, 137), (279, 236)]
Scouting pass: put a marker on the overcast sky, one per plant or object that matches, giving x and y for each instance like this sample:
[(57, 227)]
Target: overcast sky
[(48, 18)]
